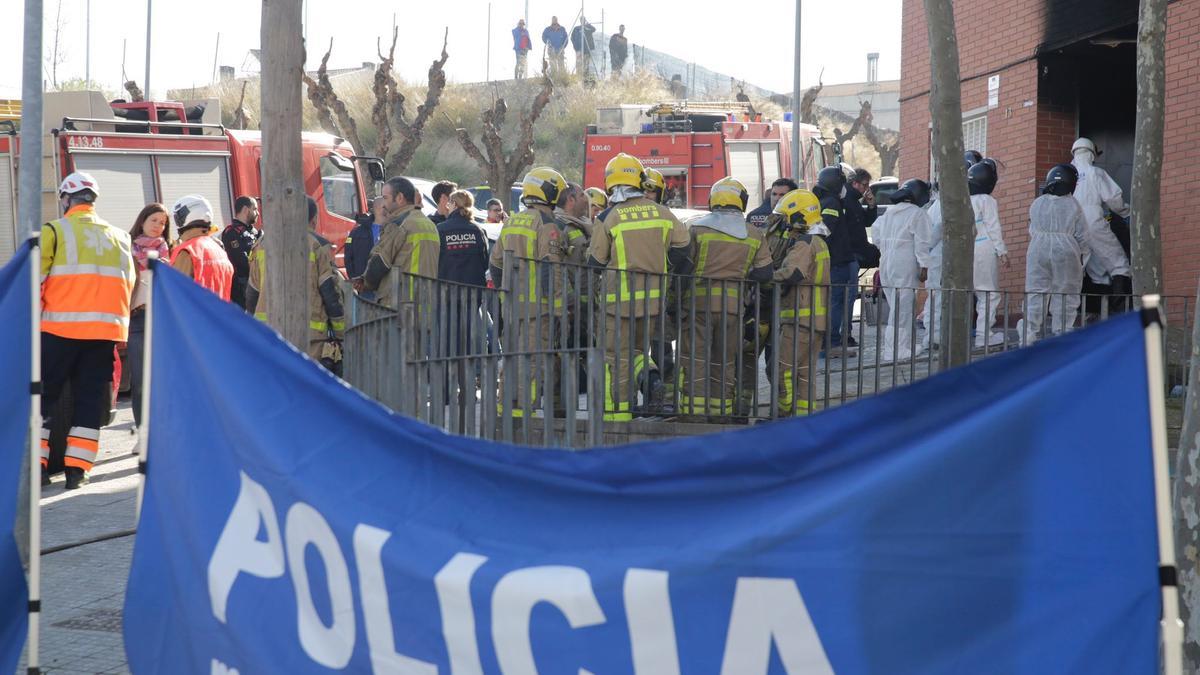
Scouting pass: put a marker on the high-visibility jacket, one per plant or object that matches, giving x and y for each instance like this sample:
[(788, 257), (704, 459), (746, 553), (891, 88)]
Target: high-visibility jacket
[(210, 266), (410, 245), (723, 261), (326, 314), (805, 275), (632, 239), (532, 237), (88, 276)]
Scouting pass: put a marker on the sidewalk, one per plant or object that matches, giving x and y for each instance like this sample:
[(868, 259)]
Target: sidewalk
[(83, 589)]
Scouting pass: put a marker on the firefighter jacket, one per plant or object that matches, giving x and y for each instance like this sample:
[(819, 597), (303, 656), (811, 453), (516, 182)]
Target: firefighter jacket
[(326, 313), (203, 259), (633, 240), (805, 278), (532, 237), (409, 244), (841, 250), (87, 277), (724, 257)]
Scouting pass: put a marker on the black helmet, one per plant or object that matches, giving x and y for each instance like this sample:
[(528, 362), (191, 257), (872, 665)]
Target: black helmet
[(1061, 180), (830, 181), (981, 178), (914, 191), (971, 158)]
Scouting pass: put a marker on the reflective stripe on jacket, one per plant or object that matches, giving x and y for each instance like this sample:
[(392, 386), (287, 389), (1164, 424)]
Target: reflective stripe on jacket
[(88, 276)]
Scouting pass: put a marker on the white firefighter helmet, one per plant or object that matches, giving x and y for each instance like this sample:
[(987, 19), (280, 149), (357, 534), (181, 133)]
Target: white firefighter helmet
[(78, 182), (1084, 144), (190, 209)]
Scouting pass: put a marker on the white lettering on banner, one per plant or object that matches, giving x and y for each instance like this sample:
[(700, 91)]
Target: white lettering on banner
[(567, 588), (238, 549), (651, 623), (368, 552), (767, 614), (330, 646), (770, 612), (453, 584)]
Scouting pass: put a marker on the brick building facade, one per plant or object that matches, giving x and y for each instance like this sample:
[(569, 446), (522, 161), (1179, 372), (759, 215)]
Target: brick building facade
[(1064, 68)]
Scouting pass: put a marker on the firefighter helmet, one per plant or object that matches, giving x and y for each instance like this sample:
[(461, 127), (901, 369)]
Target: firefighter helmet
[(597, 198), (728, 193), (799, 208), (78, 182), (542, 185), (623, 170), (654, 181)]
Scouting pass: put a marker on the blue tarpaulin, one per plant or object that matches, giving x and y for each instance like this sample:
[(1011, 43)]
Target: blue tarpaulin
[(997, 518), (15, 358)]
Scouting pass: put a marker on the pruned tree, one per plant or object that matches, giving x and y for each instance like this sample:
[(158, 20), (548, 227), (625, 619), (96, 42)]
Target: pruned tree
[(58, 51), (389, 114), (864, 117), (809, 99), (502, 168), (241, 117)]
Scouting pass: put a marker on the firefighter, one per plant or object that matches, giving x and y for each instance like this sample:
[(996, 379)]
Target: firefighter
[(727, 251), (326, 315), (637, 242), (531, 237), (409, 242), (804, 275), (654, 186), (87, 281), (197, 255), (598, 201)]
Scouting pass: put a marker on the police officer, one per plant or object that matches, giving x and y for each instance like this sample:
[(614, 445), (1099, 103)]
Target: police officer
[(87, 280), (326, 313), (727, 252), (530, 237), (463, 260), (239, 238), (760, 215), (363, 238), (637, 241), (804, 275), (409, 244)]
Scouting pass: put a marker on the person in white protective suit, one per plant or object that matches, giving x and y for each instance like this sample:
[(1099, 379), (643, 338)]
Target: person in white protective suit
[(1058, 244), (1095, 189), (990, 251), (931, 313), (902, 235)]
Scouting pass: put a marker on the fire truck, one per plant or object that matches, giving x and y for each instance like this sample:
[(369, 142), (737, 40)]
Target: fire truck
[(158, 151), (694, 144)]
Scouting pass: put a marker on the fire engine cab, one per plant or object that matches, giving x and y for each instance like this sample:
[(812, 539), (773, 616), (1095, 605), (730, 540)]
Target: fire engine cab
[(147, 152), (695, 144)]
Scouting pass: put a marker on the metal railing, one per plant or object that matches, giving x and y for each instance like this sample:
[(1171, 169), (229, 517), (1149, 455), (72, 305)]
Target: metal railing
[(614, 346)]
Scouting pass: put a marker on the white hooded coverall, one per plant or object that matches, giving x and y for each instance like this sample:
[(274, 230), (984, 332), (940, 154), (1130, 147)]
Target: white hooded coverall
[(902, 235), (1095, 190), (989, 246), (1058, 242), (931, 314)]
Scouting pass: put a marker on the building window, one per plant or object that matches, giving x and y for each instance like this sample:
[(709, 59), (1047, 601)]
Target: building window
[(974, 128)]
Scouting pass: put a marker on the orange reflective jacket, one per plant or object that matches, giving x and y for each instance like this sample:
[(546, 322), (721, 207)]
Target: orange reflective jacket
[(87, 277)]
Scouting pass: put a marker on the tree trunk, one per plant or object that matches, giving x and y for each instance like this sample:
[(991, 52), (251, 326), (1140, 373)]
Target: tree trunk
[(1186, 506), (1145, 242), (958, 221), (285, 210)]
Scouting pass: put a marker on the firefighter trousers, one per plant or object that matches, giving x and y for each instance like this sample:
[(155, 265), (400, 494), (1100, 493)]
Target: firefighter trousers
[(88, 366), (625, 364), (798, 348), (521, 378), (708, 360)]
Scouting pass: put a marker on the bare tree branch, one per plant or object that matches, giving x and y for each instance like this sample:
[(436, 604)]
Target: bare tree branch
[(241, 117), (320, 99), (135, 92), (411, 131), (329, 106), (808, 99), (500, 167), (523, 152)]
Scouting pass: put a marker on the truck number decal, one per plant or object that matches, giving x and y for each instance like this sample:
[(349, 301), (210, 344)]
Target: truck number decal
[(85, 142), (601, 148)]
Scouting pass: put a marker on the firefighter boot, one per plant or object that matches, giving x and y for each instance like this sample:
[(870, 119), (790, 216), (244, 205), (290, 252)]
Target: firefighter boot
[(45, 477), (76, 478)]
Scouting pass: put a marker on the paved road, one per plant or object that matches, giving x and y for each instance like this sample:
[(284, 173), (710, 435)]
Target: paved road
[(83, 589)]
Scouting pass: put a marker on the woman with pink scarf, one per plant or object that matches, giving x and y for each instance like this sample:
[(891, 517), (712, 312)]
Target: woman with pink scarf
[(149, 234)]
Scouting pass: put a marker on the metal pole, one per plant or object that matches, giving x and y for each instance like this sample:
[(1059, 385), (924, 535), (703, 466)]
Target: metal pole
[(147, 381), (216, 56), (487, 59), (149, 32), (526, 13), (30, 215), (1171, 626), (796, 95), (87, 68)]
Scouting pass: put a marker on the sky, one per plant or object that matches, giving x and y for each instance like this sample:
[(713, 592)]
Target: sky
[(755, 45)]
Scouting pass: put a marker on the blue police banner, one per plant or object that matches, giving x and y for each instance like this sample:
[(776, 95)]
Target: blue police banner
[(997, 518), (15, 357)]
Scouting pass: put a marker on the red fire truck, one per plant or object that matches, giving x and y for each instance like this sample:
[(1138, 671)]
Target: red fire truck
[(695, 144), (159, 151)]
